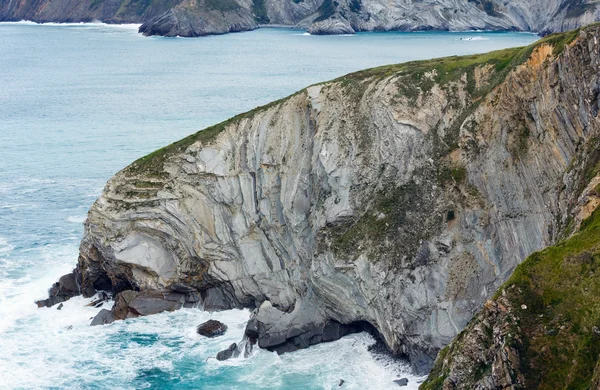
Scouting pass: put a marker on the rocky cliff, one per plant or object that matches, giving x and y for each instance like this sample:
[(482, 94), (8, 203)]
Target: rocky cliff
[(541, 330), (203, 17), (398, 198)]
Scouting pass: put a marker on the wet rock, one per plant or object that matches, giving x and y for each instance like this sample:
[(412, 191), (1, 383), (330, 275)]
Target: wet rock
[(227, 353), (211, 328), (341, 382), (66, 288), (131, 304), (401, 382), (252, 329), (59, 307), (289, 331), (102, 318)]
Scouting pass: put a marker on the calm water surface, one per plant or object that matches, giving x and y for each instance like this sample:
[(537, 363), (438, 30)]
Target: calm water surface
[(80, 102)]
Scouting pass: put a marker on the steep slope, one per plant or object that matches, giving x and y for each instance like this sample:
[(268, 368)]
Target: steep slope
[(400, 197), (203, 17), (541, 331)]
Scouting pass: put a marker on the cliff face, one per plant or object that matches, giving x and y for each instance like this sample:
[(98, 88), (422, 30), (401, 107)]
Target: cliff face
[(202, 17), (401, 196), (540, 331)]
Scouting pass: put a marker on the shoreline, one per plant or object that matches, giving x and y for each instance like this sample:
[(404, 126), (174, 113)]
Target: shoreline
[(260, 26)]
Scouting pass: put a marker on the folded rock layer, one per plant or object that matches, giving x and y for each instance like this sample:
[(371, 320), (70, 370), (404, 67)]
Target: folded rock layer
[(400, 196)]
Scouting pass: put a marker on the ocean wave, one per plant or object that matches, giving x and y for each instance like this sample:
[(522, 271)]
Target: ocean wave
[(475, 39), (5, 246), (76, 218), (128, 26)]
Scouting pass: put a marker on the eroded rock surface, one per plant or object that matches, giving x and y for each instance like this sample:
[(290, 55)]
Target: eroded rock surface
[(211, 328), (192, 18), (401, 197)]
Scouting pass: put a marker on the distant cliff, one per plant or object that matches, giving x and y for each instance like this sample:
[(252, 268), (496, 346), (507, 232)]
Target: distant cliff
[(397, 198), (192, 18)]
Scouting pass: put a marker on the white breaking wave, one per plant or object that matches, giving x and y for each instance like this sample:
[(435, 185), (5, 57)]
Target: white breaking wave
[(5, 246), (76, 218), (475, 39), (128, 26)]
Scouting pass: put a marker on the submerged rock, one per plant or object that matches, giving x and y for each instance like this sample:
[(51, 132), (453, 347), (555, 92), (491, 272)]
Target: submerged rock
[(211, 328)]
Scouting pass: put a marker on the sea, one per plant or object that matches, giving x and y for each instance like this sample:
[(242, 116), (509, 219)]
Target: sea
[(79, 102)]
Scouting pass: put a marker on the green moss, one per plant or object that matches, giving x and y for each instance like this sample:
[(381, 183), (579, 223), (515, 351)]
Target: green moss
[(560, 40), (381, 220), (454, 174)]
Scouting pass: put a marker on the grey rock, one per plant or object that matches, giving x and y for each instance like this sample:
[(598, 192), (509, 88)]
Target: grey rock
[(252, 329), (275, 209), (401, 382), (227, 353), (193, 18), (59, 307), (182, 288), (211, 328), (66, 288), (131, 304), (102, 318)]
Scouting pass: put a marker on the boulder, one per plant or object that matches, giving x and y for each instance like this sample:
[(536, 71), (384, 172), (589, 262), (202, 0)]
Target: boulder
[(131, 304), (227, 353), (103, 317), (211, 328), (252, 329), (66, 287), (401, 382)]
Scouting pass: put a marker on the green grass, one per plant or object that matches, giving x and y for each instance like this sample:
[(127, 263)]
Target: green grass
[(561, 288), (446, 70)]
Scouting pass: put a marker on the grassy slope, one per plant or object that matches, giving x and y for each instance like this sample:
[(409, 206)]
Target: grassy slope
[(447, 69), (556, 296)]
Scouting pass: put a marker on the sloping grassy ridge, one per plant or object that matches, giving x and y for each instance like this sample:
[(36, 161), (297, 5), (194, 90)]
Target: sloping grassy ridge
[(553, 317), (446, 69)]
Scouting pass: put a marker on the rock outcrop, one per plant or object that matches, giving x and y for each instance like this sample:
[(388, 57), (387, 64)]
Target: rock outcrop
[(211, 328), (540, 331), (132, 304), (401, 197), (192, 18)]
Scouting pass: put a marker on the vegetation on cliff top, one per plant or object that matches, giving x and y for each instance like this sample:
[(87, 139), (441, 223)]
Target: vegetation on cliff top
[(555, 296), (445, 70)]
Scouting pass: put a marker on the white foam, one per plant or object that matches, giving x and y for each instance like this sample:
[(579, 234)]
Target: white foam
[(5, 246), (128, 26), (475, 39), (76, 218)]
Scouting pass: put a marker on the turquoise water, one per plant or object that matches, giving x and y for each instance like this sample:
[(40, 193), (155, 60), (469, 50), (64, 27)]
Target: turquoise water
[(80, 102)]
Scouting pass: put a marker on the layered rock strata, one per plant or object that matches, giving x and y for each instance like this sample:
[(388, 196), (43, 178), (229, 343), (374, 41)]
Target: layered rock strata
[(399, 197), (192, 18)]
